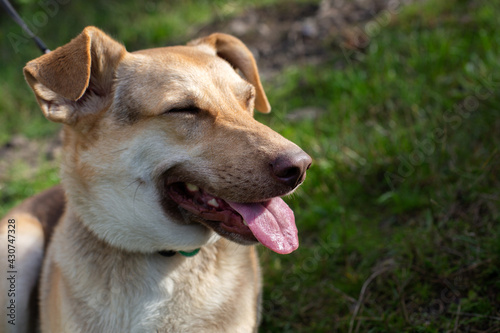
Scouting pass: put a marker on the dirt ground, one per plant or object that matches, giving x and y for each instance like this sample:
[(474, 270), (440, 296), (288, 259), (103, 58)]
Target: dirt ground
[(298, 34), (278, 35)]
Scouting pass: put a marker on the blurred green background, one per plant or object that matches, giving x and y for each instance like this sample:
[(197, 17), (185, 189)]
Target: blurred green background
[(396, 101)]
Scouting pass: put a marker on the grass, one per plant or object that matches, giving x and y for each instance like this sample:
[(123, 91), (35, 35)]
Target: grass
[(399, 216), (403, 196)]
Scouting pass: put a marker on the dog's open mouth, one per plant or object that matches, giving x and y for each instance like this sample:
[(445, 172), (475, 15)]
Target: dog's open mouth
[(270, 222)]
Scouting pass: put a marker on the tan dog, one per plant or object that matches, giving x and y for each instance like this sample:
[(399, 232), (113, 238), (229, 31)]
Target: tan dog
[(165, 176)]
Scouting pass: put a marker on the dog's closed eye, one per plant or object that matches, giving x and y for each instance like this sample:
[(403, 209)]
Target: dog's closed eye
[(183, 109)]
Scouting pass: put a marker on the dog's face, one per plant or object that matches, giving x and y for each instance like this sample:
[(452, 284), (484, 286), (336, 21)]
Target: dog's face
[(161, 150)]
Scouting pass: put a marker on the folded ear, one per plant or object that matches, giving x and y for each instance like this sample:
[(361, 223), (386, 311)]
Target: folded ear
[(239, 56), (77, 78)]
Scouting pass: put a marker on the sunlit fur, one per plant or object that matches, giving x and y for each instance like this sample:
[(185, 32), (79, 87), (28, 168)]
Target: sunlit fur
[(101, 271)]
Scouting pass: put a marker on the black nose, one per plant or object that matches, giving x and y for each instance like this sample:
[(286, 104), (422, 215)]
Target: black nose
[(290, 169)]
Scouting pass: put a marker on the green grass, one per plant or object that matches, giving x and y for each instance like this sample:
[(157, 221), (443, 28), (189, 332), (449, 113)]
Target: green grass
[(388, 189), (403, 197), (23, 181)]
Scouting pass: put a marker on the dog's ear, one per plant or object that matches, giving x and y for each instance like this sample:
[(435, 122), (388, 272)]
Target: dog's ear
[(239, 56), (77, 78)]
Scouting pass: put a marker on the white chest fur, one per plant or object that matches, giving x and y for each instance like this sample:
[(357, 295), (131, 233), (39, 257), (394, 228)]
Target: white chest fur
[(87, 286)]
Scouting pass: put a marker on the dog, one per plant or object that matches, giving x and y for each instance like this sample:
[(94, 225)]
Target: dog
[(167, 184)]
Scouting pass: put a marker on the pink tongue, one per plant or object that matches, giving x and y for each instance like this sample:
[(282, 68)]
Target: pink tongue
[(272, 223)]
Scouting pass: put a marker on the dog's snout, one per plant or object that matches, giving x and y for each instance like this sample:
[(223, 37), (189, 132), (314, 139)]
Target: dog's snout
[(290, 169)]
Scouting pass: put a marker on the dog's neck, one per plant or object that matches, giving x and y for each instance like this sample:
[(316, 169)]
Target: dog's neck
[(87, 234), (122, 285), (85, 241)]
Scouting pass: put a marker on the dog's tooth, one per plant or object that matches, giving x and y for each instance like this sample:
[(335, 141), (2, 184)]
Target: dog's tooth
[(192, 187), (212, 202), (245, 223)]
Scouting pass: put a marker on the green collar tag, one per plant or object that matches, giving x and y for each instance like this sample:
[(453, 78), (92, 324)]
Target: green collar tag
[(189, 254)]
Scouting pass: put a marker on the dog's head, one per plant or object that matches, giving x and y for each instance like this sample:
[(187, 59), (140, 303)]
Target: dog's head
[(160, 147)]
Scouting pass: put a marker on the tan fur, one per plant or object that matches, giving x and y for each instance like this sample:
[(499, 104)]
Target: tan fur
[(102, 271)]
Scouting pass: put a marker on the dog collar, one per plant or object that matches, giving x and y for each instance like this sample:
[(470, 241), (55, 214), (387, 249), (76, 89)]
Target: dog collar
[(170, 253)]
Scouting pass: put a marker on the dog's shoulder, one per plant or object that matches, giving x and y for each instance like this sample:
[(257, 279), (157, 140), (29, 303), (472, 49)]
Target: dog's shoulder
[(45, 208)]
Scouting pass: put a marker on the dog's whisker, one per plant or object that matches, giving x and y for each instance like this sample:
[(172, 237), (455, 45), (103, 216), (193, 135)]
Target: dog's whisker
[(135, 181), (119, 150), (135, 193)]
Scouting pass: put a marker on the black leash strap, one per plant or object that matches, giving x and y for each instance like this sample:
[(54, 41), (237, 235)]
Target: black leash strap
[(15, 16)]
